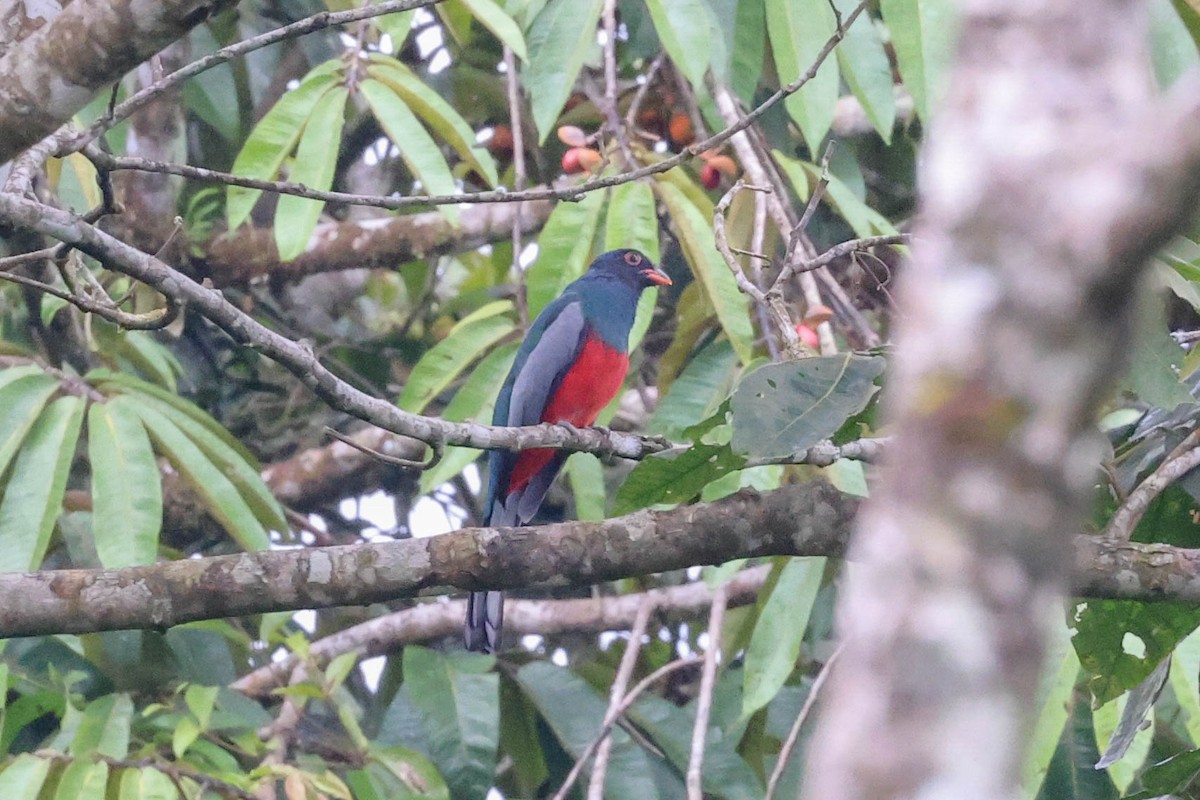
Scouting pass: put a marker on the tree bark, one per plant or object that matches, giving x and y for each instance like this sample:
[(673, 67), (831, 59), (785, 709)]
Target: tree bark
[(1042, 199), (810, 519), (54, 71)]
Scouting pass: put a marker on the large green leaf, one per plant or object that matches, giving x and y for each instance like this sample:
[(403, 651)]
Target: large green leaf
[(1172, 48), (397, 773), (574, 713), (1059, 677), (923, 36), (747, 48), (33, 498), (274, 138), (241, 473), (564, 249), (104, 728), (1119, 642), (436, 113), (1185, 681), (458, 698), (398, 26), (701, 387), (82, 780), (316, 158), (632, 221), (127, 504), (560, 38), (220, 496), (147, 783), (23, 394), (864, 220), (700, 250), (865, 67), (446, 360), (418, 149), (23, 778), (725, 776), (586, 475), (688, 33), (473, 401), (110, 383), (782, 619), (1120, 732), (782, 409), (798, 30), (492, 16), (678, 476)]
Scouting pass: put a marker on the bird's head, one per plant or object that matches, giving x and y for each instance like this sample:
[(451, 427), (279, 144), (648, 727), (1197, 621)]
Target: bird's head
[(630, 267)]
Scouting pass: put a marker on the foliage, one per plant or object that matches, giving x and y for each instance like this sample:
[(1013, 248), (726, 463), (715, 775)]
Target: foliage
[(124, 448)]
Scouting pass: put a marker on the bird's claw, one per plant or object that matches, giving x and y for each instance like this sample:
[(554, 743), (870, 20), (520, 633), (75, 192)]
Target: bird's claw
[(570, 428)]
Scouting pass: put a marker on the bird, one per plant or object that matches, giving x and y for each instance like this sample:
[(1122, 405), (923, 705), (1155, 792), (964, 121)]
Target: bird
[(570, 366)]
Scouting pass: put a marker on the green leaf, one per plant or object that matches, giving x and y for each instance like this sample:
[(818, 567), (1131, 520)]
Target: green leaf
[(700, 250), (798, 30), (127, 504), (864, 220), (419, 778), (460, 708), (632, 219), (23, 778), (1172, 48), (1060, 674), (1173, 776), (418, 149), (564, 249), (685, 28), (560, 38), (492, 16), (23, 393), (923, 36), (474, 400), (82, 781), (111, 382), (185, 734), (398, 26), (574, 712), (241, 473), (782, 409), (749, 39), (725, 775), (151, 358), (316, 158), (439, 115), (33, 498), (701, 387), (274, 138), (147, 783), (775, 643), (587, 484), (104, 729), (679, 476), (1120, 642), (220, 496), (200, 701), (1185, 676), (446, 360), (865, 67)]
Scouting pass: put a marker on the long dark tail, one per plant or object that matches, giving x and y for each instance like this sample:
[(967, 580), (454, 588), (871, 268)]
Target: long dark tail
[(485, 621)]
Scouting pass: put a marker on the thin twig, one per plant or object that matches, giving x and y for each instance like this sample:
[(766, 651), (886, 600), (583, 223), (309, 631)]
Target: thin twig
[(1183, 459), (792, 257), (434, 457), (634, 693), (789, 744), (518, 142), (613, 119), (316, 22), (640, 94), (617, 692), (708, 682)]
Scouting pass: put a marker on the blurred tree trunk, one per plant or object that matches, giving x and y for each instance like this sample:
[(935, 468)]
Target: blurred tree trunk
[(1042, 198)]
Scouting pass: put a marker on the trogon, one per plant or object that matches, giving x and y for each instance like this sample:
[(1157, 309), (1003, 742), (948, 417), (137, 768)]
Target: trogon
[(570, 366)]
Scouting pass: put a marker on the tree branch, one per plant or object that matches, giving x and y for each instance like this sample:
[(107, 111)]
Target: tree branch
[(248, 253), (802, 520)]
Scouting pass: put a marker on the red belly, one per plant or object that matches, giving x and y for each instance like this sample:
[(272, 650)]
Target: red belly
[(590, 385)]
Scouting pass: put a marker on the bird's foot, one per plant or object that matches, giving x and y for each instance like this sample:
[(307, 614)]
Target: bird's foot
[(570, 428)]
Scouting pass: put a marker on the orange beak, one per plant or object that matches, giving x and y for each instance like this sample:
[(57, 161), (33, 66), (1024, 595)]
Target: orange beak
[(656, 276)]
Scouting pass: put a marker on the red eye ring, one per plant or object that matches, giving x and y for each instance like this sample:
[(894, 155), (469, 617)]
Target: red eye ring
[(633, 259)]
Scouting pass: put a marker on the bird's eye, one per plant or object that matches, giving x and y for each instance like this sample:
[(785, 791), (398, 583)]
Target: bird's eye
[(633, 259)]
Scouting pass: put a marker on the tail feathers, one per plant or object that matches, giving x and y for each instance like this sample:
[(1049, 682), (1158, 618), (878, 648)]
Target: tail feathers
[(485, 621)]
